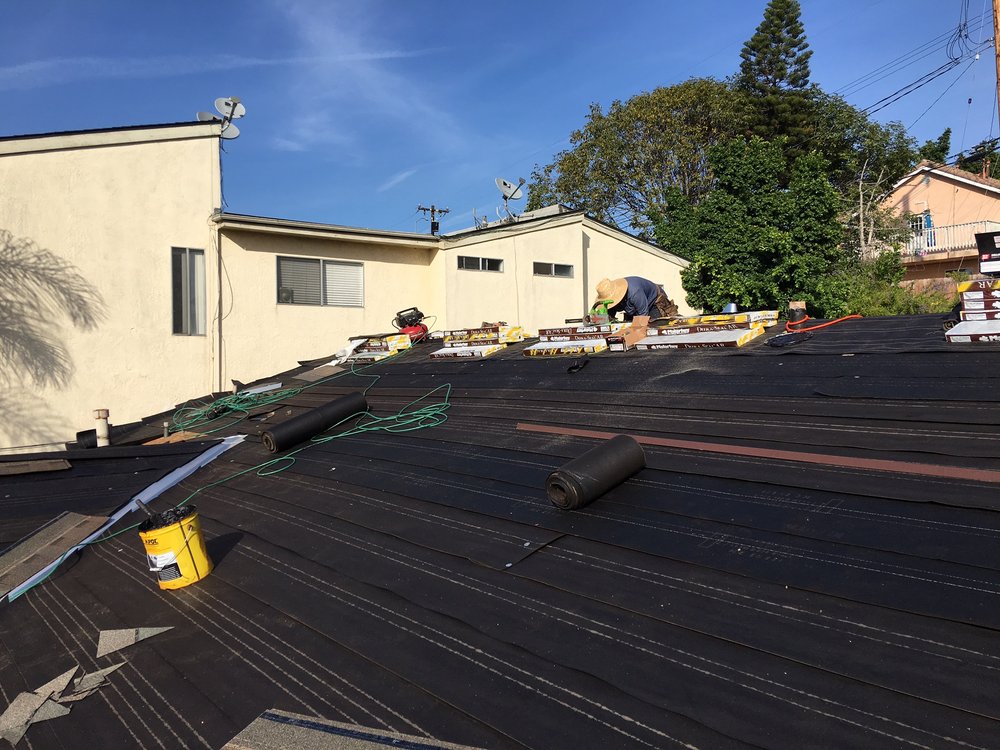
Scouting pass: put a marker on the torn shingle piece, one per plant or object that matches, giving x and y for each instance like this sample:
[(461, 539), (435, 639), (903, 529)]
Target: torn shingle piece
[(15, 720), (110, 641), (276, 730), (79, 696), (55, 687), (49, 710), (93, 679)]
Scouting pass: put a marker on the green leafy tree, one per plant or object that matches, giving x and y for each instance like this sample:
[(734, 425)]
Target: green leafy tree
[(871, 287), (775, 73), (937, 150), (982, 158), (753, 241), (630, 162)]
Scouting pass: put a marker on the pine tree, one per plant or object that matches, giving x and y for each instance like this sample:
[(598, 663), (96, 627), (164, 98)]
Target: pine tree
[(775, 72)]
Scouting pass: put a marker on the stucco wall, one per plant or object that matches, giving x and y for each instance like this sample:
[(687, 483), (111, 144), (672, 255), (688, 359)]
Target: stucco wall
[(113, 212), (613, 257), (950, 201), (261, 337), (517, 295)]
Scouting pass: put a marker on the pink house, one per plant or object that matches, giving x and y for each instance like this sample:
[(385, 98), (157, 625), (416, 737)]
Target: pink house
[(948, 207)]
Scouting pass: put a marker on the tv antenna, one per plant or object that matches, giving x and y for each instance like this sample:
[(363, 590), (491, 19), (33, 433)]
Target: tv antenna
[(510, 192), (435, 212), (229, 109)]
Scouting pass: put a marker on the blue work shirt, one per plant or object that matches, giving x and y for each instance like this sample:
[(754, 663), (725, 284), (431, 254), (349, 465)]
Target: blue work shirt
[(638, 300)]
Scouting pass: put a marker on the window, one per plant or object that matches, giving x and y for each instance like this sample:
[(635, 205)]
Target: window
[(468, 263), (311, 281), (553, 269), (188, 280)]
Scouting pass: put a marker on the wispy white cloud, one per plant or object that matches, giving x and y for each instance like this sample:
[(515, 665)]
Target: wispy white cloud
[(357, 90), (61, 70), (395, 180)]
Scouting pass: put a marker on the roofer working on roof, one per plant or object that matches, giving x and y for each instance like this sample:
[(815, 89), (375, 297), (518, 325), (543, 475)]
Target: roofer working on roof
[(634, 296)]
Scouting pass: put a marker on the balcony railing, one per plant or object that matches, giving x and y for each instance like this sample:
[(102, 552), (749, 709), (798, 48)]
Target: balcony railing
[(927, 240)]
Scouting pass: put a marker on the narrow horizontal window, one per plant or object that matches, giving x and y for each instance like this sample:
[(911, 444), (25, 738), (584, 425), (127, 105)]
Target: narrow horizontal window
[(553, 269), (471, 263)]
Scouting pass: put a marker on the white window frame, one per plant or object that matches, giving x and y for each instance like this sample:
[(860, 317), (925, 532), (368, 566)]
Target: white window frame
[(552, 269), (187, 291), (483, 263), (323, 270)]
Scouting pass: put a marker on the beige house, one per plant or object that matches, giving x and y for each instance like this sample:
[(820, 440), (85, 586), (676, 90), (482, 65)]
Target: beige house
[(193, 297), (948, 206)]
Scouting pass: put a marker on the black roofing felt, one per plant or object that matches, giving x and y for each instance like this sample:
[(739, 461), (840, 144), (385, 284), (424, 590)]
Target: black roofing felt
[(422, 583), (97, 482)]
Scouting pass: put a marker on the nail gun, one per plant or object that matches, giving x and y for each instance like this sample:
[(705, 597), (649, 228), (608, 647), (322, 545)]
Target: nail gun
[(597, 315)]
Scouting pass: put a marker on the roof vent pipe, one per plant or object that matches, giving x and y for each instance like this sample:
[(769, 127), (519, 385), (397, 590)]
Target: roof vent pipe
[(103, 438)]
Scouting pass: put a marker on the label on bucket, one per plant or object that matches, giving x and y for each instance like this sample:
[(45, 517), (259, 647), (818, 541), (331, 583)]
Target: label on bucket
[(158, 562)]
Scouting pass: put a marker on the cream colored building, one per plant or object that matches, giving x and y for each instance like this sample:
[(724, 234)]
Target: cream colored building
[(948, 207), (194, 297)]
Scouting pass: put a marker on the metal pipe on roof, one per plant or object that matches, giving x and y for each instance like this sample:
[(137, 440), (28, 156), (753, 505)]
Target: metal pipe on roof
[(103, 435)]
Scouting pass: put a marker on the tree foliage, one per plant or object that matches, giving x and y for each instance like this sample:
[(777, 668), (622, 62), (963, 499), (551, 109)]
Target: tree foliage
[(982, 158), (937, 150), (775, 73), (627, 163), (752, 241)]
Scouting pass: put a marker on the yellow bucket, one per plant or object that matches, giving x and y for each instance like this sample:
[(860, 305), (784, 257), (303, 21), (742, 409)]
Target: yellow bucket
[(175, 547)]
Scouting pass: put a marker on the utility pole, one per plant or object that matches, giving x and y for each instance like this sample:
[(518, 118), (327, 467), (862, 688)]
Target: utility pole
[(996, 45), (435, 211)]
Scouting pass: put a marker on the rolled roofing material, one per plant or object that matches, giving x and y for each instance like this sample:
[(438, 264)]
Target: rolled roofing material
[(588, 476), (311, 423)]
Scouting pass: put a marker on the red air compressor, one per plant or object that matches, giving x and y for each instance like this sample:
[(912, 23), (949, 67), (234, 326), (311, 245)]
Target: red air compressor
[(410, 322)]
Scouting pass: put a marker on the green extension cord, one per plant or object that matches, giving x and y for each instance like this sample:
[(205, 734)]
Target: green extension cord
[(405, 420)]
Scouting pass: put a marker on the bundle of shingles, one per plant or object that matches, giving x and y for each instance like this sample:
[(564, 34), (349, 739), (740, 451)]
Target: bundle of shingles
[(709, 331), (477, 342), (380, 347), (576, 339), (980, 313)]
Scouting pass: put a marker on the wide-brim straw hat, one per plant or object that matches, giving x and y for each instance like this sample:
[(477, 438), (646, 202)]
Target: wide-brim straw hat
[(613, 290)]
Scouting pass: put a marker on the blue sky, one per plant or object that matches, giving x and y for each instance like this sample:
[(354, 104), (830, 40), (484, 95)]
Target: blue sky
[(358, 111)]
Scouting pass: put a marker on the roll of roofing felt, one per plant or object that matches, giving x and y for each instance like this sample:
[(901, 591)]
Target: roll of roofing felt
[(590, 475), (311, 423)]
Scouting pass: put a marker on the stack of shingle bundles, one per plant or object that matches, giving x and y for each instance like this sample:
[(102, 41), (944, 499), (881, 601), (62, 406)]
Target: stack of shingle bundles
[(980, 313), (477, 342), (709, 331), (380, 347), (584, 339)]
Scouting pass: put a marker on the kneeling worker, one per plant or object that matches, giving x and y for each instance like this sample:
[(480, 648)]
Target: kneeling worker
[(633, 296)]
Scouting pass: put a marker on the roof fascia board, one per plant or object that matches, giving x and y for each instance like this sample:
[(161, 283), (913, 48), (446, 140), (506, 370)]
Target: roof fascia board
[(945, 175), (262, 225), (103, 138)]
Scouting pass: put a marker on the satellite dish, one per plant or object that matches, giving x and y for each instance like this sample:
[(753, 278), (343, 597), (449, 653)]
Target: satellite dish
[(511, 192), (230, 108)]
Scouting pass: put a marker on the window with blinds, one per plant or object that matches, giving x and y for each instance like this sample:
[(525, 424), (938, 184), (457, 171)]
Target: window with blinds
[(187, 267), (312, 281)]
